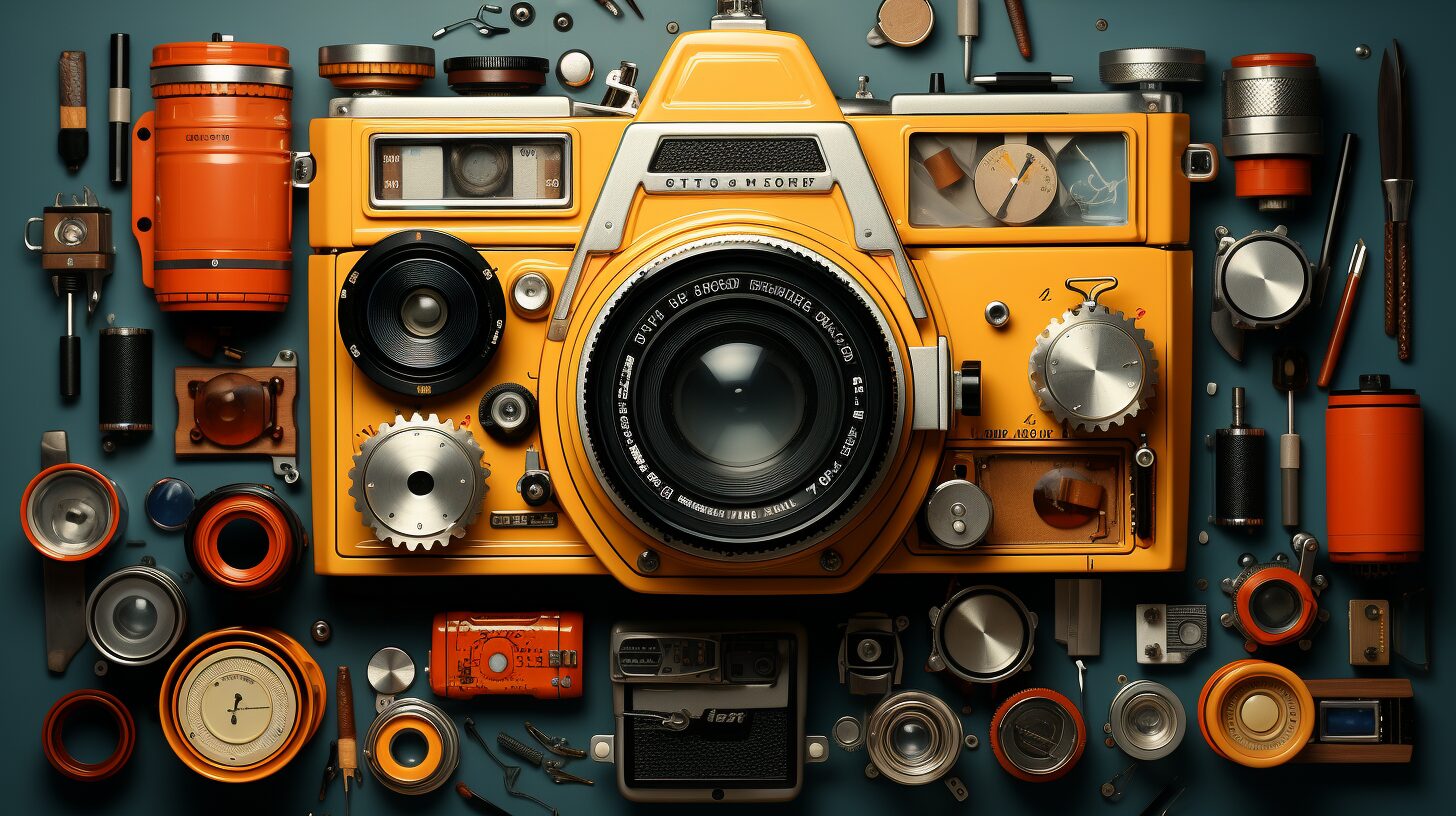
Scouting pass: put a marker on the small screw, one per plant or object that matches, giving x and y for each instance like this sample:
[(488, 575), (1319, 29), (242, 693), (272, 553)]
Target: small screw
[(902, 623), (286, 354), (321, 631), (148, 561), (1372, 612), (972, 742), (1371, 653), (1202, 584), (872, 772), (648, 561), (1109, 743), (1151, 614), (1202, 536), (1122, 679), (672, 27), (1107, 728), (831, 561), (1101, 24), (101, 668), (1362, 51)]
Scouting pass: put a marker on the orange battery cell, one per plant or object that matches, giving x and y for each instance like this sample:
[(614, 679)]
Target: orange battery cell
[(212, 202), (524, 653), (1375, 486)]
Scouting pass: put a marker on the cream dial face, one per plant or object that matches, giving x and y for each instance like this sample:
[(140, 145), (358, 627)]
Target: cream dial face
[(237, 707), (1016, 183)]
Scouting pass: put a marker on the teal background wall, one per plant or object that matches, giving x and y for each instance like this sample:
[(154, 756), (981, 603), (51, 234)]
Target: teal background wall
[(369, 614)]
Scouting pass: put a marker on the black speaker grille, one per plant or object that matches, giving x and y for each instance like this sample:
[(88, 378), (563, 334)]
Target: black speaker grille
[(738, 155)]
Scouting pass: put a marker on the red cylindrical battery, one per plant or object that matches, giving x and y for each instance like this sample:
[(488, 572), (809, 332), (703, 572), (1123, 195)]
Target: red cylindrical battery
[(212, 193), (1375, 474)]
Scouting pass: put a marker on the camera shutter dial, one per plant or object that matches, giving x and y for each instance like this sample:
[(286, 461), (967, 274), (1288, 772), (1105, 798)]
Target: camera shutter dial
[(419, 482)]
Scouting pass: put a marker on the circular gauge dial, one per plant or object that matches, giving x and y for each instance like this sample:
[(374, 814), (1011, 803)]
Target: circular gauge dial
[(1016, 183), (238, 707)]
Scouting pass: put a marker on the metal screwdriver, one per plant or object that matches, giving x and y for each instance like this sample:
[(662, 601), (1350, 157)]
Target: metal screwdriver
[(1291, 373), (968, 26)]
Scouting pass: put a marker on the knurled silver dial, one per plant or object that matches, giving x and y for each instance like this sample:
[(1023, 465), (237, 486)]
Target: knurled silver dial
[(1093, 368), (419, 482)]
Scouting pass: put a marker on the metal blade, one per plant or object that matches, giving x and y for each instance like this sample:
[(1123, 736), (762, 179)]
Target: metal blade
[(1394, 139)]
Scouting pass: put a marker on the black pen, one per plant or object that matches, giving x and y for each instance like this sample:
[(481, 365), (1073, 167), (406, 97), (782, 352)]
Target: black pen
[(118, 106)]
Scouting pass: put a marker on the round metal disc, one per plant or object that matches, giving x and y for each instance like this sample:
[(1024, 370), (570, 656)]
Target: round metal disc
[(1038, 736), (1095, 370), (390, 671), (984, 634), (1265, 278), (958, 514), (376, 53), (1135, 66)]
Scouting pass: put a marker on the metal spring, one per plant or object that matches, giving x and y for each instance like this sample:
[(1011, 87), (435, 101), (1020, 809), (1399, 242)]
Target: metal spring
[(511, 745)]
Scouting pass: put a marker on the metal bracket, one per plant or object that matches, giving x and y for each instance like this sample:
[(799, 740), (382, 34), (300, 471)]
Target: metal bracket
[(931, 378), (603, 748), (305, 167), (874, 231)]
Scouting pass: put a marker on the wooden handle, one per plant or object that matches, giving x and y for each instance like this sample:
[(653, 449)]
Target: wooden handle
[(1017, 14), (348, 746), (1390, 278), (73, 81), (1404, 304), (1342, 328)]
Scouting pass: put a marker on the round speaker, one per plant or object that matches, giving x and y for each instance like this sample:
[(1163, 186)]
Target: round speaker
[(983, 634), (422, 313), (136, 615), (1038, 735), (72, 512), (1147, 720)]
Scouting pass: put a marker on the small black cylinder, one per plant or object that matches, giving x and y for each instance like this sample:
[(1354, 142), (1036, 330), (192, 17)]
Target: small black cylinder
[(126, 380), (70, 366), (1239, 457)]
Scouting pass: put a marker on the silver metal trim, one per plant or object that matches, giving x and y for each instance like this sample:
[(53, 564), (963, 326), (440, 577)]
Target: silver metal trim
[(1048, 102), (874, 230), (930, 377), (567, 168), (847, 515), (220, 74), (375, 52), (450, 107)]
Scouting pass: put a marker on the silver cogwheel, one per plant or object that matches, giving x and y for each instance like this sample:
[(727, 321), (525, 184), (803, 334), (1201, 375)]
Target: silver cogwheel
[(1093, 368), (419, 482)]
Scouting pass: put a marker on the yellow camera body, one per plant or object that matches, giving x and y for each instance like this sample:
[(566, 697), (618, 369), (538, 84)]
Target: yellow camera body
[(750, 338)]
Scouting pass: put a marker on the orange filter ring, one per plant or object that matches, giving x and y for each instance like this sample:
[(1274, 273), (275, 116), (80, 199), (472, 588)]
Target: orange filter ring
[(203, 540), (53, 735), (383, 750), (1308, 606), (113, 498), (1203, 700), (1059, 699)]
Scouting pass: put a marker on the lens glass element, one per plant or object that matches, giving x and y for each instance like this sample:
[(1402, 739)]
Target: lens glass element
[(134, 617), (424, 312), (739, 404), (911, 740), (1275, 606)]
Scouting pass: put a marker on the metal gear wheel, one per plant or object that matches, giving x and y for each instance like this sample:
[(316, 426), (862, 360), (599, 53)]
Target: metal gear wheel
[(419, 482), (1094, 367)]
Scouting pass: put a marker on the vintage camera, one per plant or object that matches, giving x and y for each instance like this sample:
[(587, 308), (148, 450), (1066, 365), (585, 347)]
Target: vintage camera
[(709, 714), (745, 337)]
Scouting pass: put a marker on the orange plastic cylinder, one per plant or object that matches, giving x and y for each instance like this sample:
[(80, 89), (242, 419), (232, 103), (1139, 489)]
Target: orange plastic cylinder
[(1375, 474), (212, 193)]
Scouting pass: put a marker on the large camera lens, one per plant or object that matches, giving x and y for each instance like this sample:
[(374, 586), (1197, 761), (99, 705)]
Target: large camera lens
[(913, 738), (422, 313), (740, 397), (136, 615)]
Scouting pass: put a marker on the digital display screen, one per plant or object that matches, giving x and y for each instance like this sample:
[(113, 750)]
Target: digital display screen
[(471, 172), (1350, 721)]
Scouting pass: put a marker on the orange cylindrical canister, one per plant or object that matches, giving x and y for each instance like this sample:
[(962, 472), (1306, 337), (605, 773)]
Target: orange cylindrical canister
[(212, 194), (1375, 474)]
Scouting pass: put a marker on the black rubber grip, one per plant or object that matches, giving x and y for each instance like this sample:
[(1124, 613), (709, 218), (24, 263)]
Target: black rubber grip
[(125, 364), (70, 366), (1239, 463)]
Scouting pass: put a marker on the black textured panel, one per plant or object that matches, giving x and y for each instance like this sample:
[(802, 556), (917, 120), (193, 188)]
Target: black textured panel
[(1239, 462), (738, 156), (126, 379), (761, 753)]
